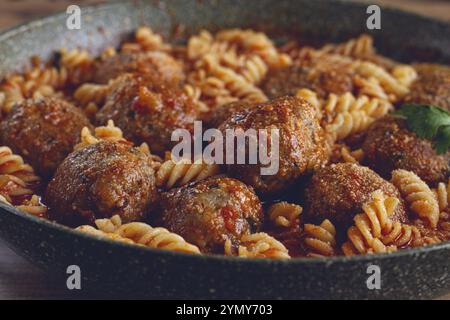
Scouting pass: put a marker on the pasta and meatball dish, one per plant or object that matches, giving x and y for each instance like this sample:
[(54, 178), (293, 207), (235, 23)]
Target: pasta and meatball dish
[(86, 142)]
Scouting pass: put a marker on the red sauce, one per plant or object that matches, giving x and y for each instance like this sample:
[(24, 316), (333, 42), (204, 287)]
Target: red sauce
[(229, 217)]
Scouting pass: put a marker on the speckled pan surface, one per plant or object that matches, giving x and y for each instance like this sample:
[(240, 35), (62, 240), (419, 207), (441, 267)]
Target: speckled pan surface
[(139, 272)]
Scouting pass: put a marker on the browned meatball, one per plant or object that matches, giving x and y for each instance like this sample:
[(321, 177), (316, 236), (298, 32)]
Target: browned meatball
[(301, 142), (432, 86), (147, 110), (209, 212), (389, 145), (224, 111), (43, 131), (338, 192), (99, 181), (161, 65), (323, 77)]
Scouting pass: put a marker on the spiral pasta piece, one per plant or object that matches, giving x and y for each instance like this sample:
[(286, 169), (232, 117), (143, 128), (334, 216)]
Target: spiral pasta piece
[(442, 193), (418, 195), (320, 239), (312, 98), (109, 133), (387, 81), (371, 87), (149, 40), (348, 156), (257, 43), (366, 235), (12, 164), (352, 115), (34, 207), (284, 214), (141, 234), (258, 245), (172, 173), (255, 70), (195, 93), (12, 188), (228, 66), (12, 94), (405, 75), (78, 65), (98, 233), (356, 47), (89, 92)]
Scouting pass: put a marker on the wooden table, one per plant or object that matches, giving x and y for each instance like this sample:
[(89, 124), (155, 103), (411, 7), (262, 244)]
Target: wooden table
[(18, 278)]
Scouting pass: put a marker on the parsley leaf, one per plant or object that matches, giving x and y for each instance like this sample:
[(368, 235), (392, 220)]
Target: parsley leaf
[(442, 142), (428, 122)]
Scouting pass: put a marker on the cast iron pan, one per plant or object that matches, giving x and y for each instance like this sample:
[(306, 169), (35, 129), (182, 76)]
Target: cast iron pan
[(130, 271)]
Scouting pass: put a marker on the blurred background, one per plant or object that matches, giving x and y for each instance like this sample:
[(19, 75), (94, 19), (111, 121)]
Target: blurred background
[(13, 12)]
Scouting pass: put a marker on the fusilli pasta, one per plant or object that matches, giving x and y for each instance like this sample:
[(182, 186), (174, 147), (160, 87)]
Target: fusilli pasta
[(320, 240), (418, 195), (356, 156), (398, 87), (366, 235), (12, 164), (352, 115), (356, 47), (109, 133), (179, 173), (144, 234), (284, 214), (259, 245), (91, 93), (33, 206)]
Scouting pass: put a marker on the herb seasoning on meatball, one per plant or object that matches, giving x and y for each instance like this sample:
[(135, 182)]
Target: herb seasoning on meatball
[(338, 192), (148, 110), (389, 145), (209, 212), (99, 181), (302, 145), (44, 131)]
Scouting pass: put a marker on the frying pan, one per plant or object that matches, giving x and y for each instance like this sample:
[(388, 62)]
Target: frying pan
[(130, 271)]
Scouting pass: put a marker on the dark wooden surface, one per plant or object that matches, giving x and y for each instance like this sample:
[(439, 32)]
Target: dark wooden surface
[(20, 279)]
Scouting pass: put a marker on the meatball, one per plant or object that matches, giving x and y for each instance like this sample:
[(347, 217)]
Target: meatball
[(301, 146), (323, 77), (338, 192), (209, 212), (432, 86), (159, 64), (100, 181), (223, 112), (147, 110), (389, 145), (43, 131)]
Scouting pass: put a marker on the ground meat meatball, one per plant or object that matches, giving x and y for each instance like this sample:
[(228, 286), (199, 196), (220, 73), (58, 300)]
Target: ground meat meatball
[(209, 212), (43, 131), (99, 181), (432, 86), (161, 65), (223, 112), (323, 77), (301, 142), (147, 110), (338, 192), (389, 145)]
